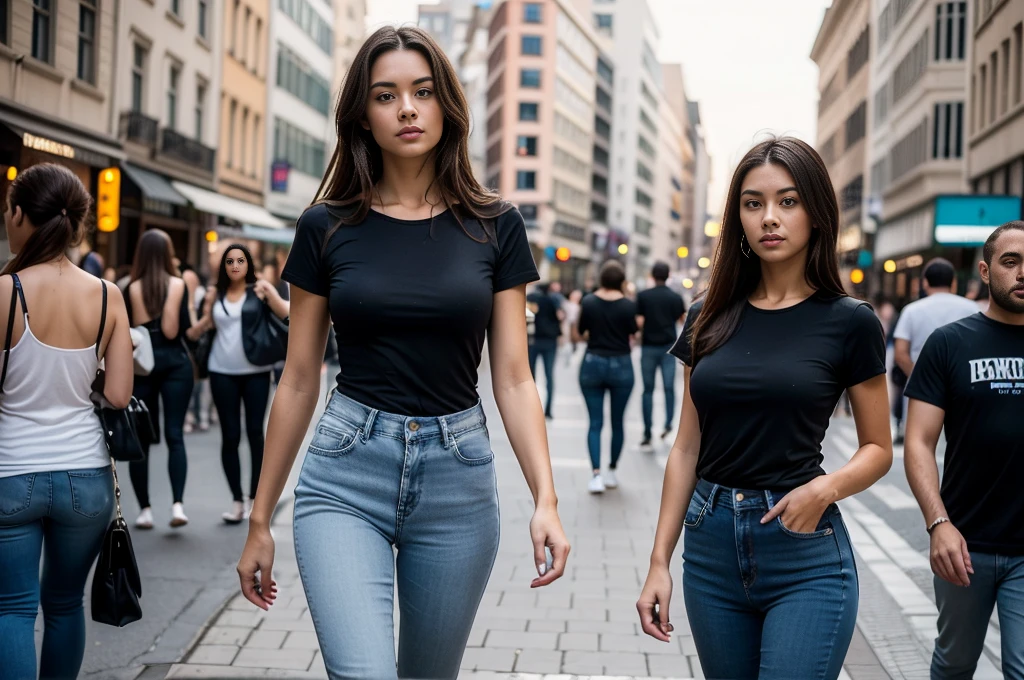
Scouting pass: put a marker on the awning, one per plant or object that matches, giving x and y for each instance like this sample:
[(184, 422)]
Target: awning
[(152, 185), (282, 237), (225, 206), (90, 147)]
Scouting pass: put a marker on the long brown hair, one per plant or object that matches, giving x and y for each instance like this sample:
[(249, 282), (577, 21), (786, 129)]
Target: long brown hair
[(357, 162), (154, 265), (57, 204), (735, 277)]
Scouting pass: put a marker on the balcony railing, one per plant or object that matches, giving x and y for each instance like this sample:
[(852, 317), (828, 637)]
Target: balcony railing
[(179, 147), (136, 127)]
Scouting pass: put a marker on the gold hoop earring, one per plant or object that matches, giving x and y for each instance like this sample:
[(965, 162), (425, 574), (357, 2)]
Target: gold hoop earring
[(743, 242)]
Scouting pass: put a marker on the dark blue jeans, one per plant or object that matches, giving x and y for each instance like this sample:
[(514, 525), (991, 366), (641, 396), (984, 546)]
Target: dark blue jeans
[(600, 375), (546, 349), (652, 358), (765, 602), (59, 517)]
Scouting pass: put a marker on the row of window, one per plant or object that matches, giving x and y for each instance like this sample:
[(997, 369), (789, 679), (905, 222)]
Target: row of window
[(948, 130), (567, 96), (172, 96), (310, 21), (302, 151), (567, 130), (644, 199), (852, 194), (646, 146), (910, 152), (858, 54), (296, 76), (857, 124), (568, 161), (570, 68), (947, 142), (246, 36), (996, 84), (648, 123), (570, 197), (890, 17), (643, 172), (910, 69), (243, 126), (950, 31), (642, 225)]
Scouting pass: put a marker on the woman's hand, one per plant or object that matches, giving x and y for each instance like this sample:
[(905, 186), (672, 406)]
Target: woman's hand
[(546, 531), (654, 603), (258, 558), (211, 297), (801, 509), (265, 290)]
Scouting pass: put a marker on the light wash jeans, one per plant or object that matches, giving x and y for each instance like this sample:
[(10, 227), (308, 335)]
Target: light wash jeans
[(375, 485), (763, 601), (964, 614), (59, 517)]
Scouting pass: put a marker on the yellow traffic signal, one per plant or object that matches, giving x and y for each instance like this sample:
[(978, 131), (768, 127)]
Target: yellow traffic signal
[(562, 254), (857, 276), (12, 172), (108, 203), (682, 252), (212, 236)]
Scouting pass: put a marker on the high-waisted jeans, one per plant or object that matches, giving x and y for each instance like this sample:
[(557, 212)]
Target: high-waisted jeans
[(384, 496), (765, 602)]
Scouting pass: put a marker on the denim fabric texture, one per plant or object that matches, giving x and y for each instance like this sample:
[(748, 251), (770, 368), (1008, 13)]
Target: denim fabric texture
[(653, 358), (601, 375), (545, 349)]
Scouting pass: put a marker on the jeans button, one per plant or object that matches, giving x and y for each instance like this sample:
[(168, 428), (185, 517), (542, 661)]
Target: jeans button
[(414, 426), (739, 497)]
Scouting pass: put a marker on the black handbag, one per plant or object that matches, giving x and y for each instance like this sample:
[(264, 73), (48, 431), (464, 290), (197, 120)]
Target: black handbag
[(267, 339), (116, 584), (201, 353)]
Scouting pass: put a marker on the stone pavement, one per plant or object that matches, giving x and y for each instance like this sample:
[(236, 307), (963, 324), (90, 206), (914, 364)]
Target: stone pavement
[(584, 625)]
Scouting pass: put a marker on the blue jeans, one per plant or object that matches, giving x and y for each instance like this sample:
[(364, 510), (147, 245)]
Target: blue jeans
[(964, 614), (546, 349), (374, 484), (599, 375), (59, 517), (652, 358), (765, 602)]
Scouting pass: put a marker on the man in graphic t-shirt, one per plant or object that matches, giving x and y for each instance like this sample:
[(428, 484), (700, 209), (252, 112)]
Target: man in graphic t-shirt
[(659, 309), (969, 378), (547, 325)]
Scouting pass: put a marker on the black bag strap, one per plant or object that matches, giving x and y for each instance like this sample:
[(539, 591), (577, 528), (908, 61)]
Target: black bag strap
[(21, 293), (103, 320), (10, 330)]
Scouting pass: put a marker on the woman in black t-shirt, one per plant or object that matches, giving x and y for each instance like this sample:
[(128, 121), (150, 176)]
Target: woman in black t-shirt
[(769, 579), (607, 321), (415, 263)]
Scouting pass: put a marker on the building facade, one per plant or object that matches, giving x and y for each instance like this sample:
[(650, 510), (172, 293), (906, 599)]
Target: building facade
[(349, 33), (673, 217), (604, 242)]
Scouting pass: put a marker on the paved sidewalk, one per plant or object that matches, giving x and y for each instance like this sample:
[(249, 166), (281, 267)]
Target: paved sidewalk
[(584, 625)]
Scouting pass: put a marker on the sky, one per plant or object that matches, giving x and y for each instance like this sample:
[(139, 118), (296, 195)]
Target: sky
[(747, 62)]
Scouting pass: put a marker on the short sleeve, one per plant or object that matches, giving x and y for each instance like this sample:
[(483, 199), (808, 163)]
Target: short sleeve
[(305, 266), (928, 381), (681, 308), (640, 304), (633, 312), (683, 349), (583, 322), (515, 265), (863, 347), (902, 331)]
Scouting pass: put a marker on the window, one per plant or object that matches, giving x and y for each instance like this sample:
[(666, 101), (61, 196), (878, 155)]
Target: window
[(256, 160), (529, 212), (5, 38), (87, 41), (909, 152), (526, 146), (139, 54), (244, 139), (531, 44), (532, 13), (201, 6), (604, 70), (603, 129), (856, 124), (200, 109), (529, 111), (993, 89), (176, 7), (947, 130), (603, 23), (882, 104), (172, 97), (1018, 59), (858, 55), (232, 114), (236, 8), (297, 77), (648, 123), (529, 77), (983, 83), (910, 69), (852, 194), (526, 179), (600, 156), (310, 21), (256, 46), (646, 147), (243, 55), (642, 225), (42, 31), (642, 198), (604, 100), (643, 172), (950, 31), (599, 184), (1004, 89)]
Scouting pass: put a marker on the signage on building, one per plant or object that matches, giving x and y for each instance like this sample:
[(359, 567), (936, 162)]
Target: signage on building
[(969, 220), (279, 176), (47, 145)]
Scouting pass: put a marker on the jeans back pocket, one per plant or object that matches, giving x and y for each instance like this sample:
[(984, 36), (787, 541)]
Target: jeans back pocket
[(92, 491), (16, 494)]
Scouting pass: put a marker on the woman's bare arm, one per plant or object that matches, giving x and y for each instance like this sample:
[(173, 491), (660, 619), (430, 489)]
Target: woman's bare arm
[(119, 368)]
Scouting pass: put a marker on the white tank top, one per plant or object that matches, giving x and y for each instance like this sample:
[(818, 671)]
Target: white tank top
[(227, 356), (47, 421)]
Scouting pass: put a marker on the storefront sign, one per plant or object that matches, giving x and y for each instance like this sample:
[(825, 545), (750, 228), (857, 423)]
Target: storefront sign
[(279, 176), (968, 220), (48, 145)]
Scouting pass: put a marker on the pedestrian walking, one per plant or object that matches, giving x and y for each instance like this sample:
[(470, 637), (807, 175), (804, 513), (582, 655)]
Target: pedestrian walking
[(572, 315), (157, 300), (56, 487), (547, 320), (607, 322), (414, 262), (234, 306), (969, 379), (658, 309), (768, 352), (201, 404)]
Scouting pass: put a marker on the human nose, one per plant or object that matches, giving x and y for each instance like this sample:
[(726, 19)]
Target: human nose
[(408, 110), (770, 219)]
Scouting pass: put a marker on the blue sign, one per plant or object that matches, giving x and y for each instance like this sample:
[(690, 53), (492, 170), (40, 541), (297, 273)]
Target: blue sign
[(969, 220), (279, 176), (865, 259)]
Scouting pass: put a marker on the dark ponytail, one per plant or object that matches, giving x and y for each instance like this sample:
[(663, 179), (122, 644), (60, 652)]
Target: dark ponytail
[(56, 203)]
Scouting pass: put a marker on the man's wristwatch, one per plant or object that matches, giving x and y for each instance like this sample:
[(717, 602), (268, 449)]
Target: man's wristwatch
[(937, 522)]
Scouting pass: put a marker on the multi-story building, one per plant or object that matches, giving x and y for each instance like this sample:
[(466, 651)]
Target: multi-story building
[(349, 32), (540, 125), (699, 243), (842, 51), (918, 133), (603, 241), (56, 75), (673, 214), (300, 129)]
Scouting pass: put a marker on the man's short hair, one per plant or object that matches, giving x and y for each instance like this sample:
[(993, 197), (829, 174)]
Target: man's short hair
[(989, 251), (939, 273), (660, 271), (613, 275)]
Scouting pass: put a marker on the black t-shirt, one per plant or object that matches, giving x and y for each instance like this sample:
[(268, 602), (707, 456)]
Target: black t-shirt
[(765, 397), (545, 321), (610, 324), (661, 308), (974, 370), (411, 301)]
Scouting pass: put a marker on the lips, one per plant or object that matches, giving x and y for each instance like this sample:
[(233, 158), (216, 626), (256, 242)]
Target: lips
[(771, 240), (410, 132)]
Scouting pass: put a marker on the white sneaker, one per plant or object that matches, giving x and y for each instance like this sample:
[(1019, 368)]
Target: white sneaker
[(596, 485), (145, 519), (610, 480), (248, 508), (178, 518), (236, 515)]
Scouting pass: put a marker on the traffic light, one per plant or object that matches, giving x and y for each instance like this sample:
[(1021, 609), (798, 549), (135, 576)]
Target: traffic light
[(857, 276), (108, 204), (562, 254)]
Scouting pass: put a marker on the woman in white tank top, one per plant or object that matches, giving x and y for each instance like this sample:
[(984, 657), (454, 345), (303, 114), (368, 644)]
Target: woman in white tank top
[(56, 488)]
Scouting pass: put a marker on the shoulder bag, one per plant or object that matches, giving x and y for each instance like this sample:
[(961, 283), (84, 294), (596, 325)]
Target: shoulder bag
[(116, 584), (265, 336)]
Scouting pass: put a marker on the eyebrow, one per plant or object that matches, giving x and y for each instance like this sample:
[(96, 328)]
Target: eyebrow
[(1009, 253), (418, 81), (754, 192)]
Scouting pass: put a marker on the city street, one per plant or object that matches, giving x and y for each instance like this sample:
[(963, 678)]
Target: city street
[(197, 627)]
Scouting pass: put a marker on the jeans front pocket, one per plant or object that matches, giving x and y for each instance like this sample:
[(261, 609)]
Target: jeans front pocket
[(473, 447), (16, 494), (823, 529), (331, 439), (695, 511), (92, 491)]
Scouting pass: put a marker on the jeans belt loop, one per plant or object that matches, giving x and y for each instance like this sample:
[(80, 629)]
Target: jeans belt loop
[(368, 427), (712, 496), (445, 441)]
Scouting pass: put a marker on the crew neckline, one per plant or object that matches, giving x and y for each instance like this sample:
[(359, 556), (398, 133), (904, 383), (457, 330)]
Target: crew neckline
[(782, 310), (396, 220)]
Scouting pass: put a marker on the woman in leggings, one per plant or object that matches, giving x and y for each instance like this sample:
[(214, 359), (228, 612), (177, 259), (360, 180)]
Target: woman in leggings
[(415, 263), (607, 321), (769, 578), (234, 380)]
